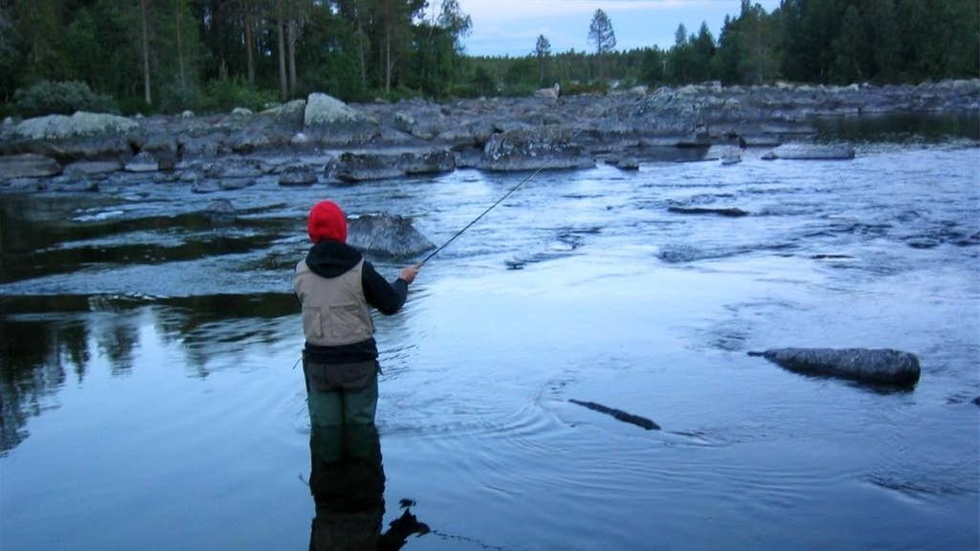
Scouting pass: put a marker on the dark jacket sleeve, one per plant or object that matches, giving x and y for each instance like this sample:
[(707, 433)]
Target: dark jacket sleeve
[(388, 298)]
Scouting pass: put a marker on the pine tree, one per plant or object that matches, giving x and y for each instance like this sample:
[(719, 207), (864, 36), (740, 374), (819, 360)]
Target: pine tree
[(601, 34), (542, 51)]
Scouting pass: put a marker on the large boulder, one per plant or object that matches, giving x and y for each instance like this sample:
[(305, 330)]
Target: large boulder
[(352, 167), (163, 148), (61, 127), (386, 235), (80, 136), (330, 121), (324, 110), (876, 366), (427, 162), (291, 114), (546, 148)]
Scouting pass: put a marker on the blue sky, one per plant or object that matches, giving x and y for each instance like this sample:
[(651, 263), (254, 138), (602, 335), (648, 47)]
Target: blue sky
[(511, 27)]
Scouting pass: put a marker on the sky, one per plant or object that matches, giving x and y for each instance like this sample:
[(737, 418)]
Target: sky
[(512, 27)]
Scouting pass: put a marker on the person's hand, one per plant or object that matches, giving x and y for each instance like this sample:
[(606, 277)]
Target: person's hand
[(408, 273)]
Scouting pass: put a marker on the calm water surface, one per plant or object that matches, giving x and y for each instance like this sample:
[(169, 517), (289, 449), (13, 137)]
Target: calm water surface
[(151, 397)]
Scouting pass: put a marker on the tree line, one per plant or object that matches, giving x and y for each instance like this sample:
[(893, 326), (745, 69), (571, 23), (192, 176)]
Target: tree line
[(814, 41), (172, 54), (167, 55)]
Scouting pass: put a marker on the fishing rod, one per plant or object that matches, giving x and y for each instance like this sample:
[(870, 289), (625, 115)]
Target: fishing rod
[(491, 207)]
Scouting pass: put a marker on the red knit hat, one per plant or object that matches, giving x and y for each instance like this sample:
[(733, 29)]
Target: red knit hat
[(327, 221)]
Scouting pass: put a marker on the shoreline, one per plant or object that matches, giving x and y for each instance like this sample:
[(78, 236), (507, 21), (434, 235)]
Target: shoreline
[(367, 141)]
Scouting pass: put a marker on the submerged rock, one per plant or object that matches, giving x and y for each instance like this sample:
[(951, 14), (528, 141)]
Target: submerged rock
[(221, 212), (619, 414), (624, 163), (386, 235), (877, 366), (731, 212)]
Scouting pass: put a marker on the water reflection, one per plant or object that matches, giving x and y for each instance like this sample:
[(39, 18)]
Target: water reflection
[(909, 127), (42, 235), (50, 340), (347, 481), (36, 357)]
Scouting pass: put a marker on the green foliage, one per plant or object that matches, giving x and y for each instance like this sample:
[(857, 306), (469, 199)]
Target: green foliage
[(878, 40), (175, 98), (483, 83), (851, 62), (435, 61), (453, 21), (60, 98), (228, 93), (219, 54), (652, 67), (585, 88)]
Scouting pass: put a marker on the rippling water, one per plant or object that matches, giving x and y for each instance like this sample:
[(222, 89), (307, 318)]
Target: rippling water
[(151, 396)]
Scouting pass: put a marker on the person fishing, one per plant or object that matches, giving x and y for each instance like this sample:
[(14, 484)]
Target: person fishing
[(337, 288)]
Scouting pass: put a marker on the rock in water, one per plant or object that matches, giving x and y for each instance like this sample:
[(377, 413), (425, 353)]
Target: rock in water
[(298, 176), (387, 235), (819, 152), (534, 149), (878, 366), (729, 212), (221, 212)]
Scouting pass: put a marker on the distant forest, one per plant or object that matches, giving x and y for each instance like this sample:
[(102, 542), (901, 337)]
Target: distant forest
[(169, 55)]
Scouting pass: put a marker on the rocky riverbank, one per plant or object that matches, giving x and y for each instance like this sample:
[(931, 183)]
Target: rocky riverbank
[(323, 139)]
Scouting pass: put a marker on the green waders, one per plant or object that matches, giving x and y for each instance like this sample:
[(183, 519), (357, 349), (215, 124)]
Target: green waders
[(341, 394)]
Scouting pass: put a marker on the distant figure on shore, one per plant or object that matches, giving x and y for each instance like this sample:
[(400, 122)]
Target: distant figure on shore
[(549, 93)]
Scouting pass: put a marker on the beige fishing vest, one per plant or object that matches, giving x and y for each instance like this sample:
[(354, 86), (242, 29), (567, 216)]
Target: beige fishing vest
[(335, 311)]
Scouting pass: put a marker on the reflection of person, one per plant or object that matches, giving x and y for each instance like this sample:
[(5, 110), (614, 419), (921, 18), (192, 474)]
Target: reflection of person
[(337, 288), (347, 481)]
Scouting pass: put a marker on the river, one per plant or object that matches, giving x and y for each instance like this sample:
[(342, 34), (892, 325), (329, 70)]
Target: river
[(151, 396)]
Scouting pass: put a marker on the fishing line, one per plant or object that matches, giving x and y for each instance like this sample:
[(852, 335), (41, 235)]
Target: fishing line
[(491, 207)]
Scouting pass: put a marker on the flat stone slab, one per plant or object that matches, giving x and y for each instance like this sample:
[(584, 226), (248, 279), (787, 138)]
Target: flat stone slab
[(27, 165), (88, 168), (811, 152)]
